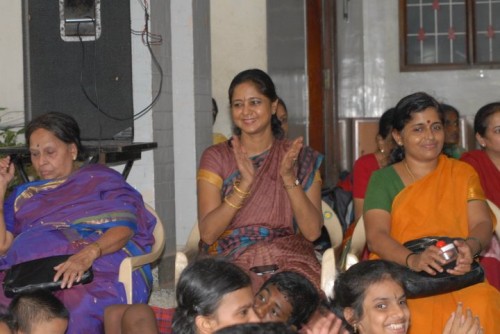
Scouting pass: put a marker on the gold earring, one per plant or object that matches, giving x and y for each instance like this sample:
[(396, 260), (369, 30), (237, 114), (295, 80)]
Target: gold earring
[(381, 150), (355, 327)]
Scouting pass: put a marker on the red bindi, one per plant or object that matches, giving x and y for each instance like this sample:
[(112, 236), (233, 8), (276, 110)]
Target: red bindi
[(428, 122)]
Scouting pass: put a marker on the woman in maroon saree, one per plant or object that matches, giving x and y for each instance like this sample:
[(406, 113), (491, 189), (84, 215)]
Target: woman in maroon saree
[(486, 162), (259, 196), (89, 212)]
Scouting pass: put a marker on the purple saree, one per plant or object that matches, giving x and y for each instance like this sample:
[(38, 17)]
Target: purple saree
[(55, 217), (263, 231)]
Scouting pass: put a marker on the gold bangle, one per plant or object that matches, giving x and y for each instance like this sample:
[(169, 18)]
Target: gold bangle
[(98, 247), (241, 193), (231, 204), (296, 183)]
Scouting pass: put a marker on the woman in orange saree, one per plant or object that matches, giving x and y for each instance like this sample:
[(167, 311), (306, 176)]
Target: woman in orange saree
[(427, 194)]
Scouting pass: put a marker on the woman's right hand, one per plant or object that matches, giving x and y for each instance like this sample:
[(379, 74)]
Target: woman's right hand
[(431, 261), (244, 163), (7, 170)]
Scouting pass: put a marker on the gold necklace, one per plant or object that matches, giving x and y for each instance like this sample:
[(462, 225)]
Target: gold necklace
[(409, 171)]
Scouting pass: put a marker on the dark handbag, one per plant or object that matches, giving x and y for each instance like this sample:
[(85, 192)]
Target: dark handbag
[(37, 274), (421, 284)]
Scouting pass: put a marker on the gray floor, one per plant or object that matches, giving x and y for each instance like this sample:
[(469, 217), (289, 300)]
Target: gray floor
[(161, 297)]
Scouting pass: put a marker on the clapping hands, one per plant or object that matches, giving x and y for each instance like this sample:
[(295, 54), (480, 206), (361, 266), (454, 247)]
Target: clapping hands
[(244, 163), (287, 166)]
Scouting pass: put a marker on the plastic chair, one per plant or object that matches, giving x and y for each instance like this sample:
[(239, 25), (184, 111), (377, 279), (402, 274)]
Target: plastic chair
[(328, 272), (188, 252), (496, 212), (332, 225), (328, 266), (129, 264), (356, 244), (191, 246), (358, 240)]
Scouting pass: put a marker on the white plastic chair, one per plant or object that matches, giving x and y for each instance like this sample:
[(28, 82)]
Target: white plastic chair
[(188, 252), (358, 243), (328, 266), (496, 212), (332, 225), (328, 272), (129, 264)]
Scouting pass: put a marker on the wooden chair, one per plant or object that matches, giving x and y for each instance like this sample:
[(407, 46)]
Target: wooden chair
[(328, 266), (129, 264)]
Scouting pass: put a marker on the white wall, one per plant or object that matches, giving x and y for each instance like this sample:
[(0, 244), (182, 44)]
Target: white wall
[(142, 174), (238, 32), (383, 85)]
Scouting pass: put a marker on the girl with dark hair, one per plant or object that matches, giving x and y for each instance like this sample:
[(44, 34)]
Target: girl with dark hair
[(89, 212), (428, 194), (212, 294), (370, 298), (353, 290), (368, 163), (451, 146), (259, 196), (486, 162)]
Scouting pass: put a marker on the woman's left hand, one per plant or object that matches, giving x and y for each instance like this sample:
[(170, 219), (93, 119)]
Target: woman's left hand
[(75, 266), (464, 259), (287, 166)]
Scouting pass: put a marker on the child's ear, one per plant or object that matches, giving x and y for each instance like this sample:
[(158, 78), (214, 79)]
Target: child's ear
[(204, 324)]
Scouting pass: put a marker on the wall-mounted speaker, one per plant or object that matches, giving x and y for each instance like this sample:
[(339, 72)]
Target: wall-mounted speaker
[(77, 60)]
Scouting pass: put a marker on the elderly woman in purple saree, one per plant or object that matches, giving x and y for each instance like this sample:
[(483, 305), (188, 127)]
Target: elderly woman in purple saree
[(91, 213)]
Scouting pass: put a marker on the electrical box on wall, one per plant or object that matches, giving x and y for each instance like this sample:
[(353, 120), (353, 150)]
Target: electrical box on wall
[(80, 20)]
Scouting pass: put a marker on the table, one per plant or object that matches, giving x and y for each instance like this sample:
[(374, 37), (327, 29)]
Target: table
[(105, 152)]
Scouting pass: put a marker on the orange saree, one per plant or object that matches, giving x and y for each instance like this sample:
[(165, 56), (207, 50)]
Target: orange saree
[(433, 206)]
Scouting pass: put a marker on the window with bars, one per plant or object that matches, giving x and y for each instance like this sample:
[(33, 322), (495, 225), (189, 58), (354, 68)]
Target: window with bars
[(449, 34)]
